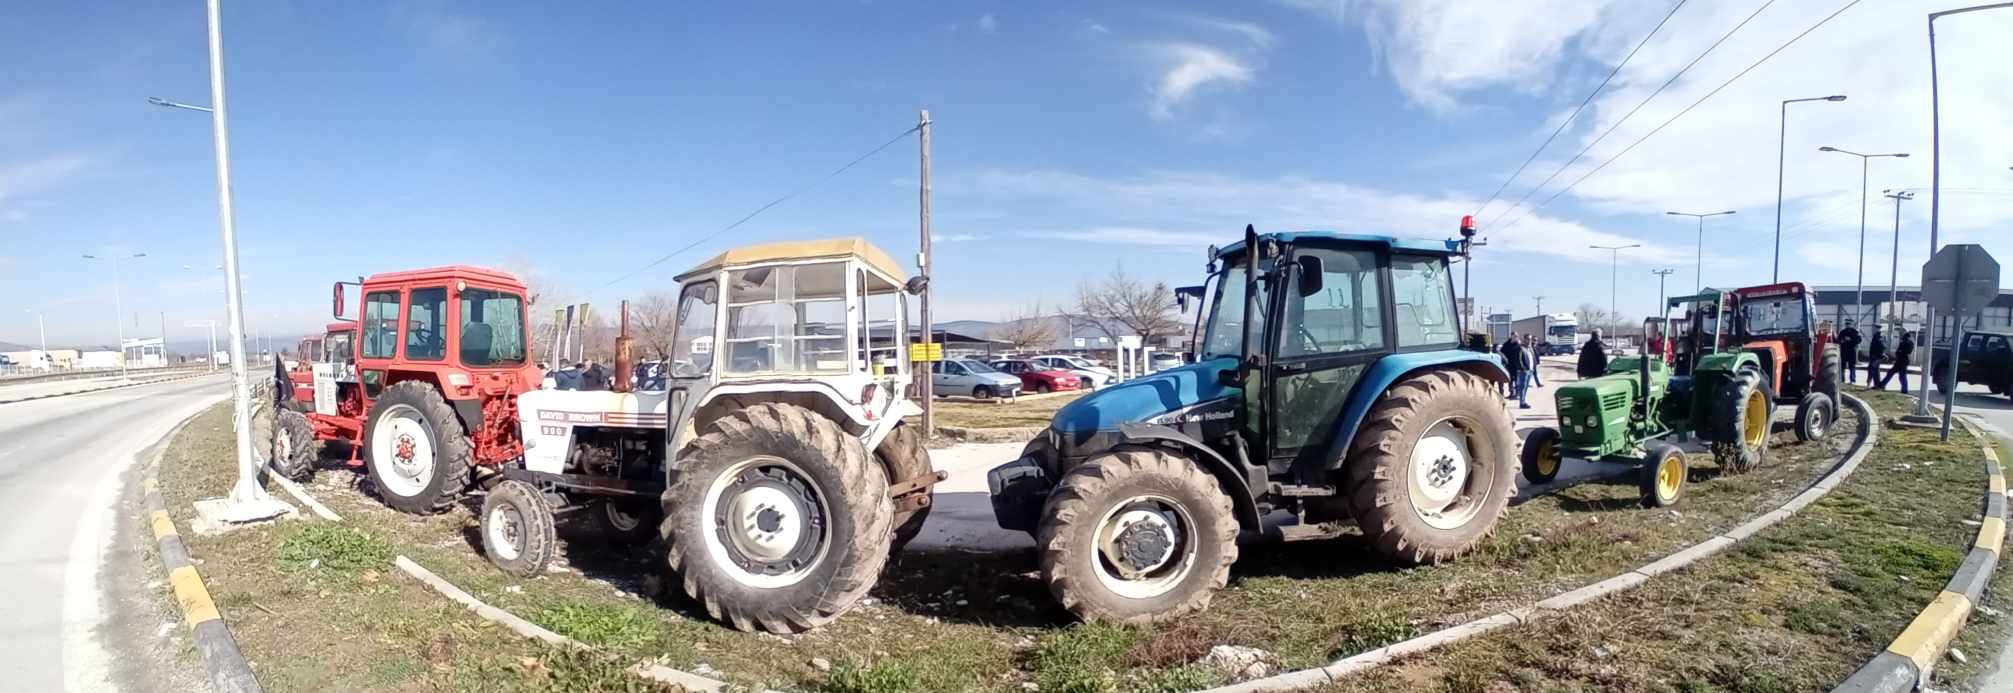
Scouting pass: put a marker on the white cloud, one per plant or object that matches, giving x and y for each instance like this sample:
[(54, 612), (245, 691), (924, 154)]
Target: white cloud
[(1189, 67), (1095, 28), (1256, 35), (447, 36), (987, 24), (1335, 10), (1436, 49)]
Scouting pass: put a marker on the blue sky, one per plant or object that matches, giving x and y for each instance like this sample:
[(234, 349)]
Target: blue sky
[(577, 143)]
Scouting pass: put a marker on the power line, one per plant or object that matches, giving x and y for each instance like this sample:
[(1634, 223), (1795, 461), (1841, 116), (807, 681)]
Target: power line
[(758, 210), (1576, 111), (1626, 116), (1680, 114)]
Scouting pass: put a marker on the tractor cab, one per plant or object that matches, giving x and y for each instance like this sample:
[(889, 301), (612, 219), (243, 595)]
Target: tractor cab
[(1700, 331), (1778, 324), (336, 346)]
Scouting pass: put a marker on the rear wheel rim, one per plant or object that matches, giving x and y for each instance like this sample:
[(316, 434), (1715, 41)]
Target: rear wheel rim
[(620, 519), (1548, 459), (1670, 475), (405, 444), (768, 522), (1754, 421), (1145, 547), (1445, 490)]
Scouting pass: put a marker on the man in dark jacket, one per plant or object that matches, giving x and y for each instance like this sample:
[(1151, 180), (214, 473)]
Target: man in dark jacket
[(594, 377), (1902, 351), (1876, 349), (1593, 358), (1848, 347), (567, 378), (1515, 361)]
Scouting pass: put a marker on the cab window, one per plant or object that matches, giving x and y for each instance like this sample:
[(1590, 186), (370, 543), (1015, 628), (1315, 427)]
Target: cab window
[(692, 340), (1345, 316), (380, 325), (492, 328), (1423, 294), (424, 338)]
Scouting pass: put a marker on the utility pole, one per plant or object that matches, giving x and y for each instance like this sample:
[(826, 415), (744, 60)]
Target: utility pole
[(1614, 274), (1540, 308), (40, 331), (118, 304), (1661, 273), (1894, 270), (923, 265)]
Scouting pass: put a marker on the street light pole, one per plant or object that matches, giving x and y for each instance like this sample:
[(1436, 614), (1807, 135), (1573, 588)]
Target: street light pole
[(1698, 262), (40, 330), (1859, 289), (118, 305), (1894, 270), (1661, 274), (1614, 273), (1781, 153), (1540, 307)]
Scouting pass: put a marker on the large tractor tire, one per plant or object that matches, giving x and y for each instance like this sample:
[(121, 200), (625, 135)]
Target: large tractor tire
[(517, 529), (1814, 416), (1829, 366), (1541, 456), (416, 450), (1663, 475), (1741, 420), (777, 519), (1429, 474), (1135, 536), (294, 446), (902, 455)]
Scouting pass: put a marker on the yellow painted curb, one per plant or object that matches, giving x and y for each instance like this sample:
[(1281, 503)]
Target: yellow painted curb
[(194, 598), (1931, 631), (1991, 534), (1997, 482), (163, 527), (150, 485)]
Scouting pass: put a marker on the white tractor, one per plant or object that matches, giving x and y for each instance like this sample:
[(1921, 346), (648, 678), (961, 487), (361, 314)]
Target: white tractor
[(774, 463)]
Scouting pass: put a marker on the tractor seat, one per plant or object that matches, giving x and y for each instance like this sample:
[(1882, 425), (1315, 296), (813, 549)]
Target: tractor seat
[(476, 339)]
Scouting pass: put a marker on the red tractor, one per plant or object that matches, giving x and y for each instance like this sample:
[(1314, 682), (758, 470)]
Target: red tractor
[(424, 381), (1800, 362), (337, 345)]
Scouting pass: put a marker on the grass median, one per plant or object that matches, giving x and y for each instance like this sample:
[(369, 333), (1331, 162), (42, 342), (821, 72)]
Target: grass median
[(1797, 607), (936, 622), (1020, 412)]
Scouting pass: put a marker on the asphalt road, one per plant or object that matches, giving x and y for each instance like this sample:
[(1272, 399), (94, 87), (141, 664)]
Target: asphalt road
[(80, 613)]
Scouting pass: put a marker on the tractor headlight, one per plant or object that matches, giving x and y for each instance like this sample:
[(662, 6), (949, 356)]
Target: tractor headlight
[(1593, 420)]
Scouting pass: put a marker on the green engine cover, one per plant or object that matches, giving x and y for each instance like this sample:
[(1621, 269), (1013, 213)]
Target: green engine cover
[(1594, 415)]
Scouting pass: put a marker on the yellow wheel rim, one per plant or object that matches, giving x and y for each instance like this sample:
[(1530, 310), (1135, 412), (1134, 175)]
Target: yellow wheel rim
[(1670, 473), (1755, 425), (1548, 459)]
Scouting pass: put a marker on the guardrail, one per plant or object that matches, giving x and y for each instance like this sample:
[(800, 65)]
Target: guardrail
[(15, 374)]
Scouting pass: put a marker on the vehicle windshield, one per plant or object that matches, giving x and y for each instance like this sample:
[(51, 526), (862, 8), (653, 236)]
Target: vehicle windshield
[(1563, 330), (979, 367), (1224, 329), (1772, 315)]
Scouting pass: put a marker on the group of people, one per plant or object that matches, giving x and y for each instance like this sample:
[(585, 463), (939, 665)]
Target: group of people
[(1849, 340), (582, 375), (1520, 357)]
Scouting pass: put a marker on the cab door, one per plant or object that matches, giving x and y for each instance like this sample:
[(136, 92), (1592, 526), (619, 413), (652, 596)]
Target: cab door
[(1330, 329), (693, 360), (378, 337)]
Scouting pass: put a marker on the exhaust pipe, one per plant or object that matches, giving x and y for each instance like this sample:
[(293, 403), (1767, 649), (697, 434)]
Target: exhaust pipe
[(624, 363)]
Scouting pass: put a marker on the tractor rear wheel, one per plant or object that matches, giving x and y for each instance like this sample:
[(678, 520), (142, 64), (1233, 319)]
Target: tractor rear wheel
[(1814, 416), (293, 446), (1429, 474), (1135, 536), (1662, 476), (1828, 368), (776, 519), (517, 529), (1740, 423), (416, 450), (904, 458), (1541, 455)]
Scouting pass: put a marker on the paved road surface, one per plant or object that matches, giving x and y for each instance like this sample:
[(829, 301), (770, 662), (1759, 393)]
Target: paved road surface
[(79, 613), (1996, 410)]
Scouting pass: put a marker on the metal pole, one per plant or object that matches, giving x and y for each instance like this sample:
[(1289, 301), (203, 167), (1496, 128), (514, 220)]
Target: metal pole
[(1781, 153), (249, 500), (923, 264), (42, 332), (1935, 171), (1859, 287), (1540, 307), (1894, 269), (1661, 274), (119, 305), (1698, 263)]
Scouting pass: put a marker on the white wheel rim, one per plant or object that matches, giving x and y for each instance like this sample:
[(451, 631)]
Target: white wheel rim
[(1442, 477), (504, 531), (620, 520), (755, 527), (1144, 548), (406, 448)]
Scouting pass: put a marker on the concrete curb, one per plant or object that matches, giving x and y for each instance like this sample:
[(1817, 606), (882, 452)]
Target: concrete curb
[(102, 389), (1869, 433), (229, 672), (1908, 661), (656, 672), (301, 494)]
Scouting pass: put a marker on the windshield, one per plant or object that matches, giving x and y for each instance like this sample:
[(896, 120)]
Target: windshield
[(979, 367), (1772, 315), (1563, 330), (1223, 330)]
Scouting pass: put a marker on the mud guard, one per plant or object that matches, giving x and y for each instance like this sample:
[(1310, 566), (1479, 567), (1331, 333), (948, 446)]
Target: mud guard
[(1237, 484), (1391, 369)]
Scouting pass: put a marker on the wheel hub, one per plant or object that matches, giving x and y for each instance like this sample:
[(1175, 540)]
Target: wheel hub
[(1144, 541), (1442, 469), (769, 521)]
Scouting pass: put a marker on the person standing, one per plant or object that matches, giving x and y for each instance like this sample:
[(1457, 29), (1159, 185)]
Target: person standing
[(1532, 351), (1593, 358), (1848, 347), (594, 377), (1902, 351), (1517, 362), (1876, 351)]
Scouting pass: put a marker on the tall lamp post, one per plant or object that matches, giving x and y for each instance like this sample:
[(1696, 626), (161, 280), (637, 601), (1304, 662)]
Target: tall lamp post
[(40, 330), (248, 501), (1661, 274), (1614, 269), (1859, 288), (1894, 270), (1781, 153), (1698, 264), (118, 302)]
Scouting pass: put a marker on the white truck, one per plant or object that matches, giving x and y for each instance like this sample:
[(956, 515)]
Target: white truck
[(1556, 333)]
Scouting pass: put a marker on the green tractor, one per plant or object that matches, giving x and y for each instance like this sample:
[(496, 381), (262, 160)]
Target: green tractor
[(1687, 382)]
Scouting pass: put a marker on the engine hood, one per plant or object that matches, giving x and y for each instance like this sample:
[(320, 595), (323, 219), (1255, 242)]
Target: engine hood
[(1143, 398)]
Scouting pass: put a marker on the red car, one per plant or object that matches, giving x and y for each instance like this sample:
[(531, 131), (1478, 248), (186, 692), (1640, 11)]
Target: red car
[(1035, 377)]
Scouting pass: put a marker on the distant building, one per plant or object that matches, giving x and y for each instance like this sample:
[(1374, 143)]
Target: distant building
[(101, 359), (1835, 303)]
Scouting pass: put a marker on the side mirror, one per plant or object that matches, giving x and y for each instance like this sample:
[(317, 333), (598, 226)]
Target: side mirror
[(916, 284), (335, 302), (1183, 293), (1310, 275)]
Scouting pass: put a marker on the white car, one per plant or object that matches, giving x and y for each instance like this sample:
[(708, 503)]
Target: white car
[(1163, 360), (1097, 376)]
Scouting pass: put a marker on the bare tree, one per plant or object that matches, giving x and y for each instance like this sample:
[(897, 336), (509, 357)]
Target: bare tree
[(1027, 330), (1124, 304), (651, 321), (1593, 317)]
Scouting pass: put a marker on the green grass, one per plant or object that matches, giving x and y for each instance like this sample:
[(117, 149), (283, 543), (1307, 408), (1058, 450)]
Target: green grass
[(336, 548), (598, 623), (1017, 413)]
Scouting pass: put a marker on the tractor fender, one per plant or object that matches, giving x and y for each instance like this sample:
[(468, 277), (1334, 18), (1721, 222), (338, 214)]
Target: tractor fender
[(1237, 483), (1391, 369)]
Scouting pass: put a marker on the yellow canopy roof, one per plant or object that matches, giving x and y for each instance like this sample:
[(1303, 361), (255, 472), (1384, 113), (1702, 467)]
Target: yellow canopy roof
[(834, 248)]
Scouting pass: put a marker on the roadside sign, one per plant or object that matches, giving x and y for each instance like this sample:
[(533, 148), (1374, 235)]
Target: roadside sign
[(933, 351), (1960, 278), (1079, 342), (1130, 341)]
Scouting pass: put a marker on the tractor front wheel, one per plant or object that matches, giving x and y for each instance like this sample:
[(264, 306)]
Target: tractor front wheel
[(1741, 421), (517, 529), (1814, 416), (1429, 474), (416, 450), (1541, 455), (1662, 476), (904, 458), (1135, 536), (776, 519), (293, 446)]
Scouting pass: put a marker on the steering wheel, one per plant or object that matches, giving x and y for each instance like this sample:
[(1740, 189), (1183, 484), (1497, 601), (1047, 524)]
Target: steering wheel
[(1308, 344)]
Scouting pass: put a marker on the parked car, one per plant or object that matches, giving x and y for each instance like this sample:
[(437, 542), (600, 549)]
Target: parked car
[(1035, 377), (1162, 360), (1093, 376), (1986, 359), (962, 377)]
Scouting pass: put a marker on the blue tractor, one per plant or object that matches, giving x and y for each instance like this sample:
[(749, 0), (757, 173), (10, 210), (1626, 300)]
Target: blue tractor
[(1330, 384)]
